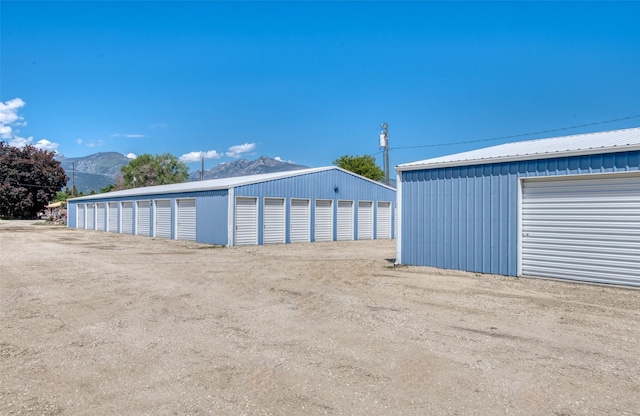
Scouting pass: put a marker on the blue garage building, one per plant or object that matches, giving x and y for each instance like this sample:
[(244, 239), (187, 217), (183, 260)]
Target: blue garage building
[(320, 204), (564, 207)]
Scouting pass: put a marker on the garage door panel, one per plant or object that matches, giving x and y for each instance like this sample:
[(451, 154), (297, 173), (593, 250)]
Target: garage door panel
[(81, 219), (582, 229), (144, 218), (162, 225), (384, 220), (127, 218), (186, 219), (273, 221), (365, 220), (91, 217), (323, 223), (345, 220), (113, 217), (246, 232), (299, 221)]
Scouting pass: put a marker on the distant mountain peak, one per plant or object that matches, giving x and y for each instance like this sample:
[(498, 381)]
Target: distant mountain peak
[(244, 167)]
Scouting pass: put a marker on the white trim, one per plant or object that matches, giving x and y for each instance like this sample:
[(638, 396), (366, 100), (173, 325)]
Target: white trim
[(231, 215), (519, 228), (595, 143), (397, 211)]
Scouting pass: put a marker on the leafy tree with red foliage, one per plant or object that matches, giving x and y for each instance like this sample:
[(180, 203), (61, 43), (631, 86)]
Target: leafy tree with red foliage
[(29, 179)]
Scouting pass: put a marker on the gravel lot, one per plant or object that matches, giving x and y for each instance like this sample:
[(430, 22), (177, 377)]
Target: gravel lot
[(102, 324)]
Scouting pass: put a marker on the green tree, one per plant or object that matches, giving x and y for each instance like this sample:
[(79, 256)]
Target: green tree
[(150, 170), (29, 179), (362, 165)]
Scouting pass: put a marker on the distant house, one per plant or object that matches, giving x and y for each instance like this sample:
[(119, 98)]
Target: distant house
[(564, 207), (55, 211), (308, 205)]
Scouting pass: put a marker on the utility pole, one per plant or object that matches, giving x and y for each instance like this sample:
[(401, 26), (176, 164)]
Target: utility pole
[(73, 178), (202, 170), (384, 143)]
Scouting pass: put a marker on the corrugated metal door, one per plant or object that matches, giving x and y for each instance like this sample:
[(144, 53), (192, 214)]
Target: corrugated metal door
[(299, 221), (91, 217), (273, 221), (246, 232), (187, 219), (345, 220), (127, 218), (162, 226), (101, 216), (323, 224), (582, 229), (144, 218), (113, 217), (82, 217), (365, 220), (384, 220)]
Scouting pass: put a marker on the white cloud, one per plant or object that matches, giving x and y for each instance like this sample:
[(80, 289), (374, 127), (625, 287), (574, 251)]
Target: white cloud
[(9, 111), (279, 159), (197, 156), (45, 144), (18, 141), (79, 140), (131, 156), (128, 135), (238, 150), (94, 143), (9, 116), (5, 131)]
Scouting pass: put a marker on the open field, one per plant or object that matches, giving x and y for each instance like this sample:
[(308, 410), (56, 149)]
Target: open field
[(100, 324)]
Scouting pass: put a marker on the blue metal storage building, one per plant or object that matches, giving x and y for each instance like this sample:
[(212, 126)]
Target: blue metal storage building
[(564, 207), (319, 204)]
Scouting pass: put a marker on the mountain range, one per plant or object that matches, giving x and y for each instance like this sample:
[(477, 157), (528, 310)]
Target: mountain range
[(243, 167), (99, 170)]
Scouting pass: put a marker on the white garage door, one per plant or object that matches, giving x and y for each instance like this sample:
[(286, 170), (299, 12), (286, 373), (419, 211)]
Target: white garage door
[(323, 224), (162, 225), (365, 220), (299, 221), (144, 218), (101, 216), (582, 229), (384, 220), (81, 216), (246, 221), (187, 219), (273, 221), (345, 220), (91, 217), (113, 217), (127, 218)]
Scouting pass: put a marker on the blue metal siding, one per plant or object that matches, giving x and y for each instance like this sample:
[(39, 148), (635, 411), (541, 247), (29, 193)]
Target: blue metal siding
[(71, 215), (332, 184), (211, 218), (466, 218)]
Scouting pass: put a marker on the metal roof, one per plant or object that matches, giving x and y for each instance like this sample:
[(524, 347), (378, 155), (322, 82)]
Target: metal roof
[(579, 144), (216, 184)]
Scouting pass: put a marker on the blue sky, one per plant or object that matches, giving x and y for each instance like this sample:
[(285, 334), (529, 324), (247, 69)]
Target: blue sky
[(310, 81)]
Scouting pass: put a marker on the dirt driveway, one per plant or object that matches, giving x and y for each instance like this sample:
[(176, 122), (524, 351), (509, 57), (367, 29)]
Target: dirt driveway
[(102, 324)]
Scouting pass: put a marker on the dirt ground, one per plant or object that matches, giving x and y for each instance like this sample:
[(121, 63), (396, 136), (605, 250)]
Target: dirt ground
[(102, 324)]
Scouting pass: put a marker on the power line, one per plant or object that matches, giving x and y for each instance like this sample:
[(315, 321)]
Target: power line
[(517, 135)]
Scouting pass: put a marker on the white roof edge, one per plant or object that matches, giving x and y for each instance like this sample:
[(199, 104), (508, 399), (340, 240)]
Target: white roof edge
[(216, 184), (434, 163)]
